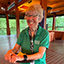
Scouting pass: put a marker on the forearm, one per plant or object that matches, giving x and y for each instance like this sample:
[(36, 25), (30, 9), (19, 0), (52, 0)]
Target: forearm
[(34, 56), (37, 55), (30, 57), (16, 48)]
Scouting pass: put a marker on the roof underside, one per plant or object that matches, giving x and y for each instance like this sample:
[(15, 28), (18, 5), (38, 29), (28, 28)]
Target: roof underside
[(53, 6)]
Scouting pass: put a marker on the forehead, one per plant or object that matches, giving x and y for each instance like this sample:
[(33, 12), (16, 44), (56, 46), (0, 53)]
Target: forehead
[(31, 12)]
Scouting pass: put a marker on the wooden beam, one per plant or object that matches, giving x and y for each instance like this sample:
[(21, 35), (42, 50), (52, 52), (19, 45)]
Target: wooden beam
[(2, 12), (17, 19), (55, 5), (44, 6), (60, 13), (18, 4), (12, 13), (57, 14), (7, 22), (56, 10), (23, 1), (2, 5), (50, 2), (53, 28), (11, 1), (11, 9), (45, 16), (43, 3)]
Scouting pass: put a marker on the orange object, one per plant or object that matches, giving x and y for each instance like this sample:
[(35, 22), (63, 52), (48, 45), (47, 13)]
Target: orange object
[(21, 54)]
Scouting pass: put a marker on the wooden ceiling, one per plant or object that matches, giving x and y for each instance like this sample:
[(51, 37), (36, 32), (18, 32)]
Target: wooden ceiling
[(57, 6)]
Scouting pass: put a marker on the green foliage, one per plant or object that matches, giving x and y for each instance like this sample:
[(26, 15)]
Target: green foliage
[(3, 23), (12, 24), (23, 24), (59, 22), (49, 21), (3, 26), (3, 32)]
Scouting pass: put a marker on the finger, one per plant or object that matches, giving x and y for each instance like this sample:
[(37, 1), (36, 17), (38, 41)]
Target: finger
[(10, 57), (13, 59), (6, 57)]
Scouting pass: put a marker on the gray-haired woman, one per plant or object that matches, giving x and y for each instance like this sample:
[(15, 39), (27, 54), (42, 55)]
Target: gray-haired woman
[(33, 40)]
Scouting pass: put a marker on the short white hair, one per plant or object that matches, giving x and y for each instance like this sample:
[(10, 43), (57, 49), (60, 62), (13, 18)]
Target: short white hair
[(37, 8)]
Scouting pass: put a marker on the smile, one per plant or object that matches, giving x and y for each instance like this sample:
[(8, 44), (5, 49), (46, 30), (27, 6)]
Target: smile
[(31, 22)]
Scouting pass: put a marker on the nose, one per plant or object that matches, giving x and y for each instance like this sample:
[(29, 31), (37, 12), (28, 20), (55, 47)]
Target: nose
[(30, 17)]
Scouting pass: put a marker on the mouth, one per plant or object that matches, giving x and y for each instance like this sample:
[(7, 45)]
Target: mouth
[(30, 22)]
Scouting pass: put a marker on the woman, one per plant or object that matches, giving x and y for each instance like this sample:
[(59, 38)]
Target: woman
[(33, 41)]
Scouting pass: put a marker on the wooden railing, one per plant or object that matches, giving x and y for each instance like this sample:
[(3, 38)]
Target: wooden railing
[(57, 27), (4, 32), (58, 34)]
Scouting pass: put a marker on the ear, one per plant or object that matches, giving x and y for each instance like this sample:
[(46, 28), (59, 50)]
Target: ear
[(40, 19), (24, 17)]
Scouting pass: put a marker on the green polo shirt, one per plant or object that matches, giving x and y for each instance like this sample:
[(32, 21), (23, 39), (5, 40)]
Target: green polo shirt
[(41, 39)]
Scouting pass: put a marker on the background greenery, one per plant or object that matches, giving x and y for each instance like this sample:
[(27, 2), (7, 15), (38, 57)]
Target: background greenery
[(59, 23), (23, 24)]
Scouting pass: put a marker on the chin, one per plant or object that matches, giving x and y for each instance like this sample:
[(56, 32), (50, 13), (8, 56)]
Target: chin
[(31, 26)]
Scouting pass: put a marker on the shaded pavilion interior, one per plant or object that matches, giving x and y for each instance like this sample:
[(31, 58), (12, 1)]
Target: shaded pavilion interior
[(52, 8)]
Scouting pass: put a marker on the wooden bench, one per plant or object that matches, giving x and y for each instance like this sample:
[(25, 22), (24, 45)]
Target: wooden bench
[(63, 37), (51, 36)]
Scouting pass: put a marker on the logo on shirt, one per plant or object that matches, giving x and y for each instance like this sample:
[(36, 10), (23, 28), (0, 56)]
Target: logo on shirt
[(37, 42)]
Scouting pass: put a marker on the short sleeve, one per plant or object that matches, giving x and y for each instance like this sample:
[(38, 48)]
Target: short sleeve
[(19, 40), (45, 41)]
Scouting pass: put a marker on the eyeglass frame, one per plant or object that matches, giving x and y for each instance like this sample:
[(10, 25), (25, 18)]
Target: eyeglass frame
[(31, 15)]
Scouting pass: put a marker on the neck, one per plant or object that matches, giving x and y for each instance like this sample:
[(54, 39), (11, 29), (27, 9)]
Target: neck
[(33, 30)]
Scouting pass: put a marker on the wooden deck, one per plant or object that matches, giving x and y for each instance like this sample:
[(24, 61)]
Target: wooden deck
[(55, 53)]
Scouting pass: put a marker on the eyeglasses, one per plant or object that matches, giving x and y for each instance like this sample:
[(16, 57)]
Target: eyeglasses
[(31, 15)]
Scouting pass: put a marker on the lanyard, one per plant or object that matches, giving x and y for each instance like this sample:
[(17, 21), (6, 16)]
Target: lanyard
[(31, 42), (32, 39)]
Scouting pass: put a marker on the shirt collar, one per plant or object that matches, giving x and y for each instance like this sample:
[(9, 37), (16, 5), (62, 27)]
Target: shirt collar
[(38, 31)]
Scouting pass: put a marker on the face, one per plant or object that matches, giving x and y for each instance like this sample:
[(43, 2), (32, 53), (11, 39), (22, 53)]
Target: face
[(32, 19)]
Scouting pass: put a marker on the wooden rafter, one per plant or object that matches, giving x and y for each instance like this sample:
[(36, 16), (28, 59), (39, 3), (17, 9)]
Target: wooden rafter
[(60, 13), (56, 4), (56, 10), (3, 5), (2, 12), (11, 1), (57, 14), (50, 2), (23, 1)]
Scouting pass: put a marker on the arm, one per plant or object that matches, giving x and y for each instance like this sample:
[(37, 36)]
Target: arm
[(16, 48), (37, 55), (12, 51)]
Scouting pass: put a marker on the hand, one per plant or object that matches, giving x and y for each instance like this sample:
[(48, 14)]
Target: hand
[(8, 55), (17, 58)]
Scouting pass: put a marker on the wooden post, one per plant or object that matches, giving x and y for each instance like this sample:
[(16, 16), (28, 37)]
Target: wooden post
[(17, 19), (43, 3), (45, 16), (53, 28), (7, 22)]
